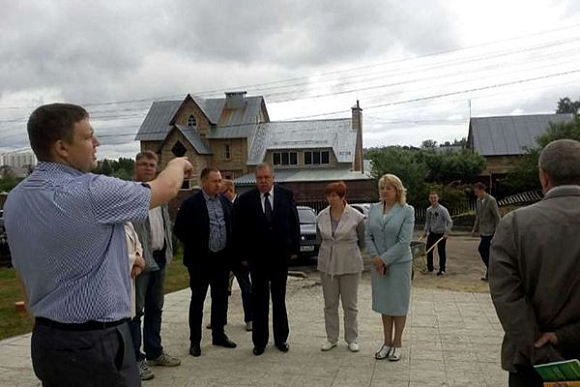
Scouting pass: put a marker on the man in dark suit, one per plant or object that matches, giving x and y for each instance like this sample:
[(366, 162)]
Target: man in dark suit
[(204, 225), (267, 232)]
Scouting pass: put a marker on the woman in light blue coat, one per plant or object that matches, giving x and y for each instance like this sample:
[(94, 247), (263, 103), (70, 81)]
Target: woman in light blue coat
[(389, 231)]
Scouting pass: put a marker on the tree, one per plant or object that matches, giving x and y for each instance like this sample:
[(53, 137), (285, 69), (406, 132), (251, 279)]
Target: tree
[(122, 168), (424, 169), (429, 144), (9, 182), (447, 167), (565, 105), (403, 163)]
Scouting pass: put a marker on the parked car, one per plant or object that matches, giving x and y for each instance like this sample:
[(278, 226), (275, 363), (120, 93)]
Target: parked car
[(308, 245), (363, 208)]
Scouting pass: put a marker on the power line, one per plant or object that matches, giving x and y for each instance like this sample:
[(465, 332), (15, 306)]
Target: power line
[(357, 68)]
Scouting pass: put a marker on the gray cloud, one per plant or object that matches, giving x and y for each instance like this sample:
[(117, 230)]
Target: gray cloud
[(300, 33)]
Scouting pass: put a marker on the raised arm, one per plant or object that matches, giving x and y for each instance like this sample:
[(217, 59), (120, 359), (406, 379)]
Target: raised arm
[(166, 186)]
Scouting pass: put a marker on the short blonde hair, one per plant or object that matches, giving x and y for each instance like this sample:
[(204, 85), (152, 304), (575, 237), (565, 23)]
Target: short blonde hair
[(395, 182)]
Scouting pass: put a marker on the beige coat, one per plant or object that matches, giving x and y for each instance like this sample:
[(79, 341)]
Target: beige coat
[(340, 254), (134, 248), (534, 278)]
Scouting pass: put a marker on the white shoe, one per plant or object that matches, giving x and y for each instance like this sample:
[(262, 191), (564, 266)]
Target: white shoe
[(395, 354), (353, 347), (327, 346), (383, 353), (145, 372)]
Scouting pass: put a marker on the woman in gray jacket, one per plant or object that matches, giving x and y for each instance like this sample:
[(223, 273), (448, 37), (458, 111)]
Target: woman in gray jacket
[(341, 231)]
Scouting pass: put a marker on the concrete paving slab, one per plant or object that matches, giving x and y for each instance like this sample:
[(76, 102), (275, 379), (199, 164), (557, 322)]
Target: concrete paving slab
[(451, 339)]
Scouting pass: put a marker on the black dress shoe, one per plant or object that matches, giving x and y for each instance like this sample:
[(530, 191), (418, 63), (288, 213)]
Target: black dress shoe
[(284, 347), (195, 350), (258, 351), (224, 342)]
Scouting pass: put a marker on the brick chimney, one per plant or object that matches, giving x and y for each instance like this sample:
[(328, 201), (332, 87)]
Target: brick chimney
[(235, 100), (357, 164)]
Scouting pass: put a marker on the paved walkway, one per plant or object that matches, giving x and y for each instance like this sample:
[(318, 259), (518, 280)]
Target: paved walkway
[(451, 339)]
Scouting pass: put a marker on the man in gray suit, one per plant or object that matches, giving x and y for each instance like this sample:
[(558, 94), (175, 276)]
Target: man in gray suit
[(534, 274), (486, 219)]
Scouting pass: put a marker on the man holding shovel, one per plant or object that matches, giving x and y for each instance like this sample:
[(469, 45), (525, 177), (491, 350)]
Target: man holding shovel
[(438, 223)]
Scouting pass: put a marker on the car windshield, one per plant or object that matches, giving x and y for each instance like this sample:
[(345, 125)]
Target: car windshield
[(306, 216)]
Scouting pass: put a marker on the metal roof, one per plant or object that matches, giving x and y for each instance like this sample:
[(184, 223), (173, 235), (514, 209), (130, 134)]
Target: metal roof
[(509, 135), (336, 134), (306, 175), (156, 124), (195, 140)]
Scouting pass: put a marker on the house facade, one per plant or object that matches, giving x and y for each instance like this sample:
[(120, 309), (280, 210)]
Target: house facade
[(234, 134), (503, 140)]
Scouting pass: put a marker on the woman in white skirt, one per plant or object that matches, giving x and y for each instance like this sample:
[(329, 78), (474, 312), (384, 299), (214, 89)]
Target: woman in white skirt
[(341, 231)]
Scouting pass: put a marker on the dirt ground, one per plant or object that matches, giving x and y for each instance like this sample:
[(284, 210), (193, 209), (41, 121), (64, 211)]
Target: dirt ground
[(464, 267)]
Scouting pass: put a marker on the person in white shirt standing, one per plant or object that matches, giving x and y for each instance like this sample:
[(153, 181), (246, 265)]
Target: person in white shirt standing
[(438, 224)]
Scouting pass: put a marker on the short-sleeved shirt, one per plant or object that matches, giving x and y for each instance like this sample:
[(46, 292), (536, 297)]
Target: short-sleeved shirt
[(67, 241)]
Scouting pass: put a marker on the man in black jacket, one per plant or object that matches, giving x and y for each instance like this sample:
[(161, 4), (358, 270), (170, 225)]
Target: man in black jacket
[(267, 232), (204, 225)]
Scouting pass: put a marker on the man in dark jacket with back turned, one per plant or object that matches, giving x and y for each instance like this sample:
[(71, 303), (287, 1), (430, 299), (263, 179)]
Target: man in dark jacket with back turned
[(204, 225), (267, 232)]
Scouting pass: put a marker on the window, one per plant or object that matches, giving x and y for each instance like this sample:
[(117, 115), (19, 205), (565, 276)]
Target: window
[(191, 121), (227, 155), (316, 157), (178, 149), (285, 158)]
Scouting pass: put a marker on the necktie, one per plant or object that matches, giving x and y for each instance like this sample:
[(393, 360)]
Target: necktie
[(267, 207)]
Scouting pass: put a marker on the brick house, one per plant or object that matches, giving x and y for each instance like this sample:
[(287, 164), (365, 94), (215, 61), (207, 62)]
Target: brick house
[(234, 134)]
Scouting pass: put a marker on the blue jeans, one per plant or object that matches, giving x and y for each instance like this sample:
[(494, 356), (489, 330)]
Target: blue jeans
[(149, 295)]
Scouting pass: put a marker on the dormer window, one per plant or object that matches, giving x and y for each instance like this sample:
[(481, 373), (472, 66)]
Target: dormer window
[(178, 149), (191, 121)]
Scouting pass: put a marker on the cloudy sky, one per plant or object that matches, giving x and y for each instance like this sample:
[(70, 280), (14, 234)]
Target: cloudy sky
[(419, 68)]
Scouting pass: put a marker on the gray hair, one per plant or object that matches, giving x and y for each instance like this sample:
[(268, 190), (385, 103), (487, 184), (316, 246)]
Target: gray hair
[(261, 166), (560, 160)]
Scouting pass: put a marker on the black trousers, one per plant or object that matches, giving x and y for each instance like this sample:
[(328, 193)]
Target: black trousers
[(431, 239), (484, 246), (269, 276), (242, 274), (525, 377), (103, 357), (214, 272)]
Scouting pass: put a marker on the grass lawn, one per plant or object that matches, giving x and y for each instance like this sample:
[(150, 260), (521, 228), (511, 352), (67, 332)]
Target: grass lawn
[(13, 322)]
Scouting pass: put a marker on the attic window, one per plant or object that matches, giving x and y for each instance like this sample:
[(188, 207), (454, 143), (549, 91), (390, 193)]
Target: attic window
[(191, 121), (178, 149)]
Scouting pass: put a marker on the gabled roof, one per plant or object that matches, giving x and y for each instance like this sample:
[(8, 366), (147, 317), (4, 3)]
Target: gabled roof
[(157, 123), (336, 134), (194, 139), (509, 135), (306, 175), (155, 126)]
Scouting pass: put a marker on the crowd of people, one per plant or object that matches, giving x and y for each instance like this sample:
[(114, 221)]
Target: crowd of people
[(94, 276)]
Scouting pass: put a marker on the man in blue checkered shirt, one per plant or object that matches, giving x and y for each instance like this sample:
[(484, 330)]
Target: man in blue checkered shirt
[(67, 240)]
